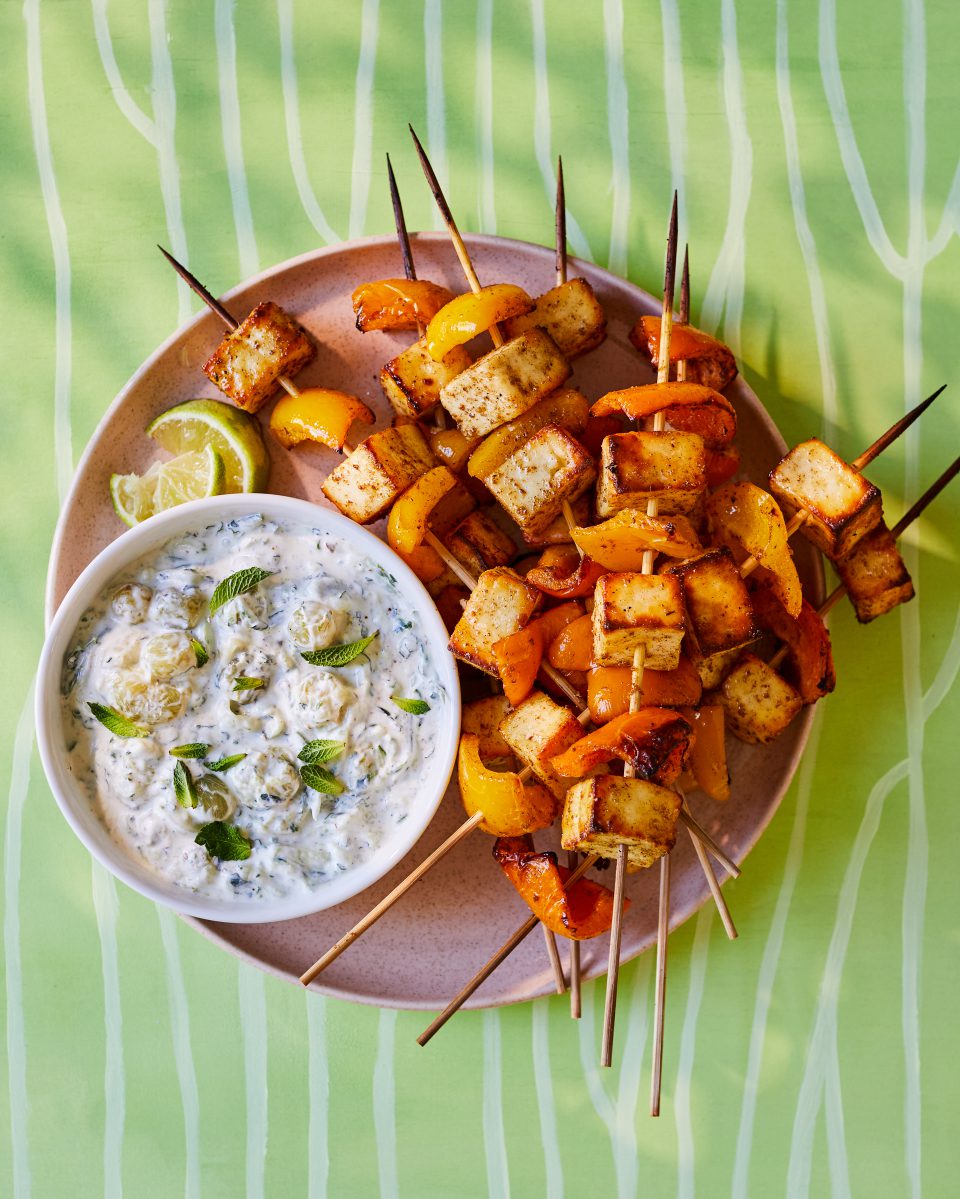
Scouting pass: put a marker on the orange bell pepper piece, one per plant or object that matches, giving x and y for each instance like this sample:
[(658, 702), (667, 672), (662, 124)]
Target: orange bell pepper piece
[(608, 689), (652, 740), (564, 583), (722, 465), (407, 523), (585, 911), (708, 754), (598, 427), (519, 655), (621, 542), (810, 654), (425, 563), (397, 303), (509, 808), (706, 358), (467, 315), (572, 649), (318, 414), (746, 518), (689, 406)]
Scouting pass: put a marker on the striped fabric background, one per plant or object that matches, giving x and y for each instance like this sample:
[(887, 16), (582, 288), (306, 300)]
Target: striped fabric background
[(815, 150)]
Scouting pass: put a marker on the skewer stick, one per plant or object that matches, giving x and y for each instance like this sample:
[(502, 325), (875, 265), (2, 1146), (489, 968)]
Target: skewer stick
[(560, 225), (714, 886), (663, 924), (501, 955), (573, 861), (708, 842), (554, 955), (458, 242)]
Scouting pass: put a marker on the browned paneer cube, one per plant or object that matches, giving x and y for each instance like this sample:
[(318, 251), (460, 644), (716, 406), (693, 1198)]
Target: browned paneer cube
[(631, 610), (874, 575), (378, 472), (248, 362), (532, 484), (500, 604), (479, 543), (482, 717), (557, 531), (413, 380), (505, 383), (840, 504), (570, 313), (714, 668), (604, 812), (536, 730), (718, 605), (758, 703), (636, 467)]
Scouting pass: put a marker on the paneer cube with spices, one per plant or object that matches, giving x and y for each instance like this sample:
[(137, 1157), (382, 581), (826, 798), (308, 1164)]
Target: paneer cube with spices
[(537, 730), (505, 383), (718, 606), (500, 604), (874, 575), (479, 543), (840, 505), (757, 702), (248, 362), (631, 610), (378, 472), (570, 313), (636, 467), (412, 381), (533, 483), (601, 813)]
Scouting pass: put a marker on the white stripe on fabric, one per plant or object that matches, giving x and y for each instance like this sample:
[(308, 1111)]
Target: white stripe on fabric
[(125, 102), (106, 906), (385, 1104), (182, 1050), (360, 169), (494, 1139), (12, 961), (226, 41), (618, 125), (543, 1081), (253, 1024), (436, 103), (675, 105), (483, 104), (688, 1049), (318, 1089)]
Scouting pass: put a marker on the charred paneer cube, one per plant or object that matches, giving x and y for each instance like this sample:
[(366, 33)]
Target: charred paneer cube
[(669, 467), (479, 543), (248, 362), (413, 380), (538, 729), (874, 575), (505, 383), (602, 813), (500, 604), (840, 505), (631, 610), (533, 483), (570, 313), (378, 472), (718, 606), (757, 702)]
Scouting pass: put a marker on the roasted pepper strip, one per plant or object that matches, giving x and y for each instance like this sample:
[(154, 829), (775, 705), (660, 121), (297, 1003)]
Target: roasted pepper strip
[(467, 315), (585, 911), (509, 808), (451, 448), (397, 303), (708, 753), (708, 361), (407, 524), (572, 648), (621, 542), (653, 740), (688, 406), (566, 584), (808, 643), (317, 414), (519, 655), (722, 465), (608, 689), (744, 517)]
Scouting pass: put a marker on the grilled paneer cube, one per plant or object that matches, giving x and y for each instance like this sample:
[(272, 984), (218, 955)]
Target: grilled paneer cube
[(570, 313), (413, 380), (874, 575), (840, 504), (536, 730), (714, 668), (479, 543), (532, 484), (718, 606), (482, 718), (248, 362), (632, 609), (500, 604), (505, 383), (603, 812), (669, 467), (758, 703), (378, 471)]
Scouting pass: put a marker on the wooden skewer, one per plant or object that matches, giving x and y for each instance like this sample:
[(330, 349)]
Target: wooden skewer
[(714, 886), (501, 955), (560, 226), (573, 861), (553, 953), (663, 927)]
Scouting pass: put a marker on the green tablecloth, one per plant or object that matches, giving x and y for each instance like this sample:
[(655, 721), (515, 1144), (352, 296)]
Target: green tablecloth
[(815, 150)]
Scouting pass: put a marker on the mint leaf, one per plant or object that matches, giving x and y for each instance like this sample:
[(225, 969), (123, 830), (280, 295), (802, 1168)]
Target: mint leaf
[(320, 751), (337, 655), (115, 723), (200, 651), (245, 683), (237, 584), (223, 841), (416, 707), (193, 749), (321, 780), (184, 787), (222, 764)]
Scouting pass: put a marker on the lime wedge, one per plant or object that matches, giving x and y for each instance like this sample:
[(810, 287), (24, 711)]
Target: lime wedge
[(190, 476), (233, 433)]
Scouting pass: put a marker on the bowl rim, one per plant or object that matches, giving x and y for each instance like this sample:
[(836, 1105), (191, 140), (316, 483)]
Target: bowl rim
[(80, 814)]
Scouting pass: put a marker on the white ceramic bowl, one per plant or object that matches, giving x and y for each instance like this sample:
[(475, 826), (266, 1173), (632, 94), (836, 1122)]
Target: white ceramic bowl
[(74, 800)]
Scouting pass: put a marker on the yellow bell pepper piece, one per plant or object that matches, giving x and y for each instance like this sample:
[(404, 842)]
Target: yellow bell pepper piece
[(509, 808), (467, 315), (621, 542), (566, 408), (745, 518), (318, 414), (451, 448), (407, 524), (397, 303)]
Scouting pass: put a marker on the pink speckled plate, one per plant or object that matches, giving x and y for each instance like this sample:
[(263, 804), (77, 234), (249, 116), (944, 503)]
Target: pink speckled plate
[(422, 951)]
